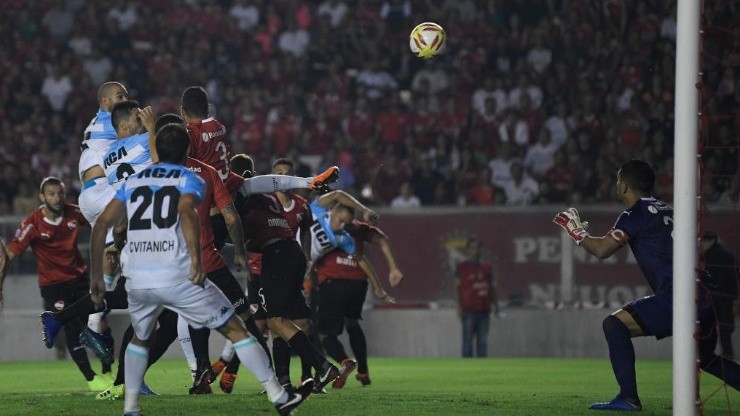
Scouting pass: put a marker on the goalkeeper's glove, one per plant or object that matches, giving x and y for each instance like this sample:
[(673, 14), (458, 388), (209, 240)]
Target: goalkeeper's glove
[(572, 224)]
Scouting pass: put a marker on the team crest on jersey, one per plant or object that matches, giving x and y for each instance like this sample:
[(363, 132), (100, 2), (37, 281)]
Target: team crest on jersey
[(72, 224)]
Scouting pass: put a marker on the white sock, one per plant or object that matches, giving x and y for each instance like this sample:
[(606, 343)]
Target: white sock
[(183, 335), (254, 358), (265, 184), (228, 353), (136, 359), (94, 322)]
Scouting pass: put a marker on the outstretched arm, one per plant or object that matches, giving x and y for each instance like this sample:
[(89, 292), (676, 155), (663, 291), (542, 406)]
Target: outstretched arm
[(6, 259), (394, 276), (601, 247), (369, 270), (148, 120), (112, 214), (341, 197)]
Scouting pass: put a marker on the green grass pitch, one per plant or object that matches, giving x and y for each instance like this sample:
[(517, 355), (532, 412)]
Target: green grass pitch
[(401, 386)]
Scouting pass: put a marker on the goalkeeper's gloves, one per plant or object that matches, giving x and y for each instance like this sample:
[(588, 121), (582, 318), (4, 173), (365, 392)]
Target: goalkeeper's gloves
[(572, 224)]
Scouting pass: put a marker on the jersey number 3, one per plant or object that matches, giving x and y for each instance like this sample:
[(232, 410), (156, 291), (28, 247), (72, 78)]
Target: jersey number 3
[(162, 216)]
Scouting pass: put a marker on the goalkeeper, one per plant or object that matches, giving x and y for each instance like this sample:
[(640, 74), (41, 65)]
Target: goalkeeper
[(647, 226)]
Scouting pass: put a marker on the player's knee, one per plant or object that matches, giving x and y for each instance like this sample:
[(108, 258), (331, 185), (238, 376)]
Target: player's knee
[(96, 322), (613, 325)]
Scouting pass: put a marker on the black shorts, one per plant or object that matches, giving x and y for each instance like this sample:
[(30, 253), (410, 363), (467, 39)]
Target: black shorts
[(59, 295), (283, 269), (339, 299), (224, 280), (255, 297)]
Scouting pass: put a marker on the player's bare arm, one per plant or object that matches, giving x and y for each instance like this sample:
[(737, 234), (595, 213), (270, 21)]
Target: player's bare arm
[(146, 115), (186, 207), (372, 276), (601, 247), (346, 199), (236, 233), (394, 275), (6, 259), (112, 214)]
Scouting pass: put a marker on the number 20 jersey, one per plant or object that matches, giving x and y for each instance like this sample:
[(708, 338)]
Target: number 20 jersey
[(127, 156), (156, 254)]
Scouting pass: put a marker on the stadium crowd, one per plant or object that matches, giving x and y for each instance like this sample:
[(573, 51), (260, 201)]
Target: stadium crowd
[(528, 104)]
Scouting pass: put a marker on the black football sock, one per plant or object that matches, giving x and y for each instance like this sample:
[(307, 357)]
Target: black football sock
[(233, 365), (199, 338), (622, 356), (128, 335), (306, 370), (302, 346), (334, 348), (76, 350), (164, 336), (255, 332), (359, 347), (281, 354), (110, 345)]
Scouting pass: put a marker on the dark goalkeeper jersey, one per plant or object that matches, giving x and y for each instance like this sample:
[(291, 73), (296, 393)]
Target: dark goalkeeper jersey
[(648, 228)]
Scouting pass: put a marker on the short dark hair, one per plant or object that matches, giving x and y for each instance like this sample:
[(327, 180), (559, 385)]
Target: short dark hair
[(172, 143), (283, 161), (195, 101), (169, 118), (638, 175), (121, 111), (49, 181), (242, 164)]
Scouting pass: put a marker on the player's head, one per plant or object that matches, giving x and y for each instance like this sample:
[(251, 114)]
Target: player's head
[(341, 216), (124, 117), (110, 93), (194, 103), (169, 118), (242, 164), (173, 144), (635, 177), (283, 166), (51, 194), (472, 245)]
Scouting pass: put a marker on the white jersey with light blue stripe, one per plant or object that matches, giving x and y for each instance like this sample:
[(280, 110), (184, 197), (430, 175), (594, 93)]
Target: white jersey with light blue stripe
[(323, 238), (97, 138), (156, 254), (127, 156)]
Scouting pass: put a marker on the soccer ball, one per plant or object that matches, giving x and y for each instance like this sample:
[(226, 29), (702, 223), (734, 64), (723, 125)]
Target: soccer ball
[(427, 40)]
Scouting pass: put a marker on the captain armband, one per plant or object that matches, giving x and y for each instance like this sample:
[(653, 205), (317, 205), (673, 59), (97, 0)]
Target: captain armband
[(619, 235)]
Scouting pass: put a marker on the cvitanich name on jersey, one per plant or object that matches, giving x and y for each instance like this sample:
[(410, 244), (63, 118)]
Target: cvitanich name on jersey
[(151, 246)]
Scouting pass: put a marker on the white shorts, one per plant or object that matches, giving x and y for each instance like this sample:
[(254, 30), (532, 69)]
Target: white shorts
[(201, 307), (94, 197)]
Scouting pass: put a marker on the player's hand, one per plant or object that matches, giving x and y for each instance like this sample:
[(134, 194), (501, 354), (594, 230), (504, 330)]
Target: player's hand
[(97, 292), (395, 277), (146, 115), (112, 257), (382, 295), (572, 224), (240, 261), (370, 216), (197, 277)]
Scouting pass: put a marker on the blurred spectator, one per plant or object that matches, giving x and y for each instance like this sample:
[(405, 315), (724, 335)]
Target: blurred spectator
[(59, 20), (124, 13), (246, 15), (482, 192), (559, 179), (406, 198), (337, 10), (539, 156), (293, 40), (56, 87), (513, 129), (522, 189), (378, 82)]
